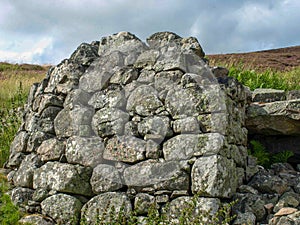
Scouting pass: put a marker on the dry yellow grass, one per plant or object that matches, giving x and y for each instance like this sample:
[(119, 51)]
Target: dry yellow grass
[(14, 83)]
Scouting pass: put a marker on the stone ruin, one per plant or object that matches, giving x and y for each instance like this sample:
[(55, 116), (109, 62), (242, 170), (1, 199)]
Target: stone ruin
[(129, 124)]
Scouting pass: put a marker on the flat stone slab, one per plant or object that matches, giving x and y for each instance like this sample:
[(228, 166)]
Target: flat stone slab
[(159, 175), (275, 118), (268, 95)]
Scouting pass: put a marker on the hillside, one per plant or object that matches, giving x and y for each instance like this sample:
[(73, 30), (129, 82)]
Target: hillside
[(282, 59)]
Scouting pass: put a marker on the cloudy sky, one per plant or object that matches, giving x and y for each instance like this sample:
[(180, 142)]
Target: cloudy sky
[(47, 31)]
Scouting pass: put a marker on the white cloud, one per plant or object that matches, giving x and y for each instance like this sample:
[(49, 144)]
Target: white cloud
[(32, 54), (220, 26)]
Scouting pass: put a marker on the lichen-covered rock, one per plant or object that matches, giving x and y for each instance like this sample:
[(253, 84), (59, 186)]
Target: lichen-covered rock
[(100, 206), (77, 97), (143, 202), (64, 209), (267, 183), (19, 143), (86, 151), (24, 175), (42, 102), (105, 178), (62, 78), (40, 194), (124, 42), (36, 139), (109, 121), (161, 39), (36, 219), (85, 53), (214, 176), (74, 122), (51, 149), (185, 146), (159, 175), (108, 98), (20, 196), (264, 95), (187, 125), (159, 125), (144, 101), (125, 148), (203, 210), (15, 159), (97, 76), (63, 177), (245, 218)]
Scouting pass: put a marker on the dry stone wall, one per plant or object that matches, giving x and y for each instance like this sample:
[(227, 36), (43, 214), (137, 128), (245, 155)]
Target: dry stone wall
[(126, 123)]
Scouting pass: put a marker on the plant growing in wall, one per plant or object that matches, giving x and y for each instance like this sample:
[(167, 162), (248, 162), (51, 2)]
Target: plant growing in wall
[(264, 158)]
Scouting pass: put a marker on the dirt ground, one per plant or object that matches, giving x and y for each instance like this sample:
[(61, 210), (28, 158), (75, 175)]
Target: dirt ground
[(282, 59)]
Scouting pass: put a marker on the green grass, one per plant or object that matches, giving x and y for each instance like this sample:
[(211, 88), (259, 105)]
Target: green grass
[(15, 82), (269, 79), (8, 211), (266, 159), (14, 88), (20, 67)]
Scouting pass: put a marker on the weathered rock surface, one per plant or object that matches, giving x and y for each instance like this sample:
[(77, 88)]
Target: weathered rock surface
[(125, 149), (214, 176), (24, 175), (272, 190), (20, 196), (63, 177), (268, 95), (185, 146), (64, 209), (86, 151), (204, 209), (94, 209), (36, 220), (51, 149), (105, 178), (159, 175)]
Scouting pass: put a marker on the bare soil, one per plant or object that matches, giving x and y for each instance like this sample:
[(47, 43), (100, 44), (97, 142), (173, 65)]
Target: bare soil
[(282, 59)]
